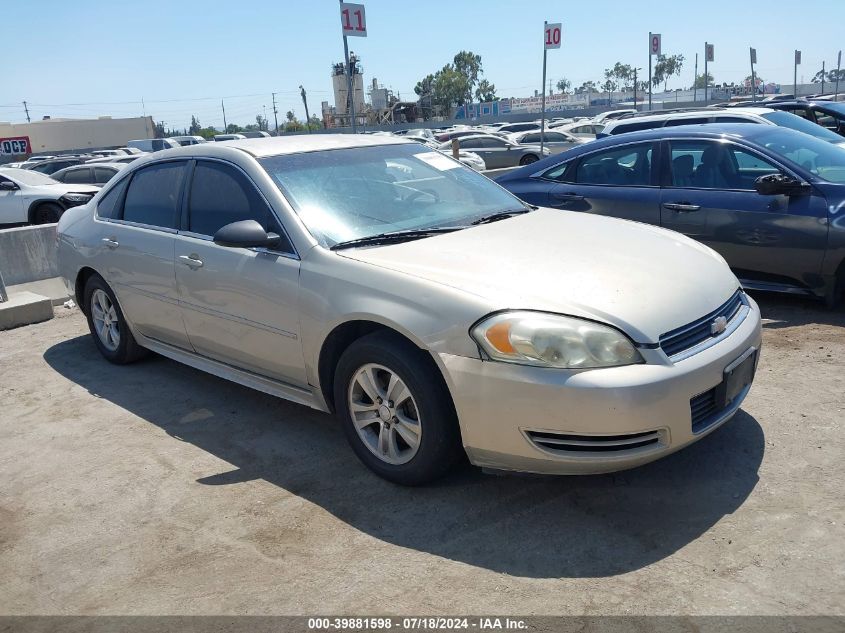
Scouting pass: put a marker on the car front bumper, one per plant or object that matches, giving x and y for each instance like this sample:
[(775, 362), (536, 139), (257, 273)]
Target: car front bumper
[(610, 419)]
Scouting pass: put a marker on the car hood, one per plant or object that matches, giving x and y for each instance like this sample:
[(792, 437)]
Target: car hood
[(61, 188), (642, 279)]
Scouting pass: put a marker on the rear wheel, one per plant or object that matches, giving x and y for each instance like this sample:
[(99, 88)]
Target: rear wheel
[(47, 213), (396, 411), (528, 159), (107, 324)]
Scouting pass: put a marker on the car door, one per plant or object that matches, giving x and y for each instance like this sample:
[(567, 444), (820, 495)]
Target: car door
[(830, 119), (137, 222), (616, 182), (493, 150), (240, 305), (708, 193), (11, 203)]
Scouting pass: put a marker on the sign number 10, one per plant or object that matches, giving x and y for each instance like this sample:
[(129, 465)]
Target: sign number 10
[(552, 36), (353, 20)]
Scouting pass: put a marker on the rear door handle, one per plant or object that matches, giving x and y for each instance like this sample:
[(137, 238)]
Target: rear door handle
[(681, 207), (191, 260), (110, 242), (560, 199)]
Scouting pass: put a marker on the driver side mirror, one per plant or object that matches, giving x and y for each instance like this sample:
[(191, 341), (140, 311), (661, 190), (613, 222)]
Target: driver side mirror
[(780, 185), (246, 234), (8, 185)]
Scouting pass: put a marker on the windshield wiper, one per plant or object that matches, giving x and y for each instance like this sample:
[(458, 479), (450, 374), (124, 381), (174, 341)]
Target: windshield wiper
[(501, 215), (396, 236)]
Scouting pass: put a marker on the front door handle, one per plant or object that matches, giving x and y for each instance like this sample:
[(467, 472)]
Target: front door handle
[(191, 260), (110, 242), (681, 207)]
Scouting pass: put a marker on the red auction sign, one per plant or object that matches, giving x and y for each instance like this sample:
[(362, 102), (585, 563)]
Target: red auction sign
[(16, 145)]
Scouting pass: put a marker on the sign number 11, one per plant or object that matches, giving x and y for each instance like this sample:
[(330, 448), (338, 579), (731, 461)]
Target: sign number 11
[(353, 19)]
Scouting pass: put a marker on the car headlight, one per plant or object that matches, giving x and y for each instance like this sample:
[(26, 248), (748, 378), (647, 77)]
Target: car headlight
[(77, 197), (551, 340)]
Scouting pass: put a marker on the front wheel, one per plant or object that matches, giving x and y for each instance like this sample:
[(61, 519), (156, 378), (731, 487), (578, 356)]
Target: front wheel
[(396, 411), (47, 213), (108, 325), (528, 159)]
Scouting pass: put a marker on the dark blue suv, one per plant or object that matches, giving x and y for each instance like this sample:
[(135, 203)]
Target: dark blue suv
[(769, 199)]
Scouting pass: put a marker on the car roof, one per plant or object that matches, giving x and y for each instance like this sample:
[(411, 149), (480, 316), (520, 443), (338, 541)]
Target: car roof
[(278, 145)]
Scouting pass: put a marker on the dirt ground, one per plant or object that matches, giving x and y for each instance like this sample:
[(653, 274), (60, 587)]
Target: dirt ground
[(157, 489)]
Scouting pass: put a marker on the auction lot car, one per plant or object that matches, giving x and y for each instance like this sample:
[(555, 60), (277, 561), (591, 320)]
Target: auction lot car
[(767, 198), (27, 196), (425, 305)]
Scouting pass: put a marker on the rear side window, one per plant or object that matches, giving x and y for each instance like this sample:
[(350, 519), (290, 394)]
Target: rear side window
[(109, 206), (627, 166), (221, 195), (635, 127), (102, 175), (153, 195), (687, 121)]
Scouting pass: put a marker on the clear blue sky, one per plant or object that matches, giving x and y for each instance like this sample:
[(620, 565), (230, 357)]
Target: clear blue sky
[(84, 58)]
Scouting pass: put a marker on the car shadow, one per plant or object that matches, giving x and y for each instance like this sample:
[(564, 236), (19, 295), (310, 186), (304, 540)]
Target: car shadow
[(586, 526), (782, 311)]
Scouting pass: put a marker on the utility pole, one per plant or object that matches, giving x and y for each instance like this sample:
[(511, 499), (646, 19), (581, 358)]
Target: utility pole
[(695, 81), (822, 78), (753, 76), (635, 88), (307, 115), (706, 75), (225, 126), (27, 111), (838, 72), (795, 73), (275, 114)]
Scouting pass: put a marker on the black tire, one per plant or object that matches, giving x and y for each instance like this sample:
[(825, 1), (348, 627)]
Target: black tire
[(127, 350), (47, 213), (440, 447), (835, 295), (528, 159)]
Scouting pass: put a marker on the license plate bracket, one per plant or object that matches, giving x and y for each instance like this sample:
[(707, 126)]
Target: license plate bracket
[(736, 377)]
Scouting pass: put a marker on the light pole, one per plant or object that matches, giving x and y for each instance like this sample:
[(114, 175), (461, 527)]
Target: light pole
[(635, 87)]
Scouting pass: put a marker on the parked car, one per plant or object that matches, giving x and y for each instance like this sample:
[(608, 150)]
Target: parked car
[(581, 129), (512, 128), (97, 174), (229, 137), (131, 150), (433, 311), (107, 153), (497, 152), (556, 141), (828, 114), (28, 196), (125, 159), (188, 140), (765, 197), (606, 117), (153, 144), (765, 116), (53, 165), (448, 135), (419, 133), (256, 134)]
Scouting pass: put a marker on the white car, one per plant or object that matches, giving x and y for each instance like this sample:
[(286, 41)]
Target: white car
[(27, 196)]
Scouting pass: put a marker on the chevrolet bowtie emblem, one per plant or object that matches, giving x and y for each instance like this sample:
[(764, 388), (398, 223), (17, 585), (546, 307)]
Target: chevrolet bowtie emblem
[(718, 325)]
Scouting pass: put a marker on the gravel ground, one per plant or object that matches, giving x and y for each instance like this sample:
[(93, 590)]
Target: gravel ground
[(157, 489)]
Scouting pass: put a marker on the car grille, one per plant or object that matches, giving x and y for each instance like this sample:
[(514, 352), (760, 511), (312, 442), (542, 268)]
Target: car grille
[(566, 443), (704, 410), (695, 333)]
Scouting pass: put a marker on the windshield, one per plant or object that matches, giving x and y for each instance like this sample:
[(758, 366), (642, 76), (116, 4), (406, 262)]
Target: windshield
[(825, 160), (27, 177), (347, 194), (795, 122)]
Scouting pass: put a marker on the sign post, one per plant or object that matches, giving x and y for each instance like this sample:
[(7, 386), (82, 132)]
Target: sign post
[(795, 74), (838, 72), (551, 39), (753, 76), (353, 22), (708, 57), (653, 50), (695, 80)]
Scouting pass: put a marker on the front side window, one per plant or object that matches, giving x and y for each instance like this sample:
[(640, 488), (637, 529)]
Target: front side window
[(346, 194), (627, 166), (787, 119), (822, 159), (221, 195), (714, 165), (109, 204), (154, 194), (103, 175), (77, 176)]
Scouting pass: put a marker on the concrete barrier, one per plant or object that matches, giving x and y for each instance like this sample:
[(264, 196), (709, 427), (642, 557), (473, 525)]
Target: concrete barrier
[(28, 253)]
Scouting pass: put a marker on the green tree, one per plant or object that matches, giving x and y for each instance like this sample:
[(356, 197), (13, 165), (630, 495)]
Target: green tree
[(234, 128), (195, 128), (485, 91), (261, 122), (315, 123), (449, 87), (290, 116), (207, 133), (586, 87), (424, 85), (621, 75), (468, 65), (158, 131), (822, 76), (699, 80), (563, 84), (665, 68)]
